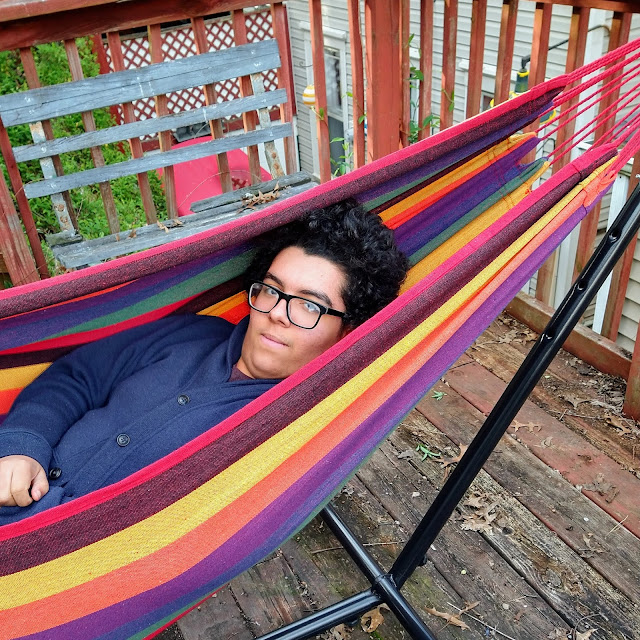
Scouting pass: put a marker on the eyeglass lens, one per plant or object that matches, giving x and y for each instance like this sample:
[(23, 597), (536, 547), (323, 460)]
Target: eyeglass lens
[(301, 312)]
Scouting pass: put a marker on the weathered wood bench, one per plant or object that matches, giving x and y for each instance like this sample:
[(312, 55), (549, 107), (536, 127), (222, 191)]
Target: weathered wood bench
[(37, 107)]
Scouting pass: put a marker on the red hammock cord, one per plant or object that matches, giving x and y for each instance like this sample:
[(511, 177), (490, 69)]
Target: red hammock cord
[(580, 87), (611, 81), (605, 116), (595, 97), (585, 70)]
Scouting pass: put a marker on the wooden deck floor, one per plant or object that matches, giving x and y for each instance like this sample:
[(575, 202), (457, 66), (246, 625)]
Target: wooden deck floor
[(545, 545)]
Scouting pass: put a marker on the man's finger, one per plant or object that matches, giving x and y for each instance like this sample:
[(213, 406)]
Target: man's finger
[(6, 499), (40, 485), (20, 485)]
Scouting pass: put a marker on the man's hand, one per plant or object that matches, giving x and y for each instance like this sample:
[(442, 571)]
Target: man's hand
[(18, 475)]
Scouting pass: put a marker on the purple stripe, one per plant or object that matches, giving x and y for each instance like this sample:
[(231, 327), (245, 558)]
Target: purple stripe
[(435, 165), (45, 323), (416, 232)]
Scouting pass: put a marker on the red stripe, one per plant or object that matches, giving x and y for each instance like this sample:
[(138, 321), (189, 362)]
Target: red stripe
[(83, 337)]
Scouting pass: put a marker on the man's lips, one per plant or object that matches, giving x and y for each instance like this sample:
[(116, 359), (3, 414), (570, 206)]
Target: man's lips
[(271, 339)]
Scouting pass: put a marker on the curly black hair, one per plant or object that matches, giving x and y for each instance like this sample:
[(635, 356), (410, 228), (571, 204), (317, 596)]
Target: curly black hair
[(352, 238)]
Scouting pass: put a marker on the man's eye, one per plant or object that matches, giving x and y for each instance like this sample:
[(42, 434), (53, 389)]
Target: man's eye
[(270, 291), (310, 307)]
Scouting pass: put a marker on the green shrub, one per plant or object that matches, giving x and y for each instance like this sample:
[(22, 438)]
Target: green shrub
[(52, 66)]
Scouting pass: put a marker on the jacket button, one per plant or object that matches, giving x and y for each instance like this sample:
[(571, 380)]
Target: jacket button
[(55, 473), (123, 440), (183, 399)]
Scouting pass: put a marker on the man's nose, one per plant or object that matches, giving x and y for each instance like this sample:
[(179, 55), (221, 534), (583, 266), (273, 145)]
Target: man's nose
[(279, 312)]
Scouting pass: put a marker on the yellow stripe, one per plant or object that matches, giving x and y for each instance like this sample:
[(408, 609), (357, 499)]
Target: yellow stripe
[(485, 158), (18, 377), (181, 517)]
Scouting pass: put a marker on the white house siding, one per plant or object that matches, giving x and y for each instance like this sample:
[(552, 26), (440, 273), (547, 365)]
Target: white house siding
[(335, 20)]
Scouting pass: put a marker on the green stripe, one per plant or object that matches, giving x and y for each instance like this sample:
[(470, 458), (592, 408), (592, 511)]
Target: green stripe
[(203, 281)]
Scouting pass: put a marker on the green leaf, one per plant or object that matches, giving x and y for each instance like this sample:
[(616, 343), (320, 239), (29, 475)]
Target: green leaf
[(361, 119), (438, 395), (426, 452)]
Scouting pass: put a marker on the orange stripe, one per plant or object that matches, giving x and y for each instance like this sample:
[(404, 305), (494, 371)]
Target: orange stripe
[(6, 399)]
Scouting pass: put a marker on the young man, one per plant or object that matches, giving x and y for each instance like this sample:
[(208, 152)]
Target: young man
[(114, 406)]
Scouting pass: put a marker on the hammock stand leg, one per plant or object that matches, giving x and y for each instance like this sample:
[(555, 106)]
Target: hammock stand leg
[(385, 586)]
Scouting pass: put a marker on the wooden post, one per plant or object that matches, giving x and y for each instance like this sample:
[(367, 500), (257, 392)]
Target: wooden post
[(115, 48), (540, 43), (631, 404), (575, 58), (285, 79), (249, 118), (505, 50), (320, 85), (476, 56), (449, 39), (23, 203), (405, 73), (211, 97), (164, 138), (73, 56), (13, 246), (357, 79), (621, 274), (426, 67), (382, 49), (539, 54)]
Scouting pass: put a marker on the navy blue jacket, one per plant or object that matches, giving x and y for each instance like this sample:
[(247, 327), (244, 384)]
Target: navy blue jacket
[(110, 408)]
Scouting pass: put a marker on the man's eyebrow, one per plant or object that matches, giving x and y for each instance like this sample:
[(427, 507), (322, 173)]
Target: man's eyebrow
[(306, 292)]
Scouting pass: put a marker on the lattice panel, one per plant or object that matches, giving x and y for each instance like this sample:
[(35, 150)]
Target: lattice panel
[(178, 42)]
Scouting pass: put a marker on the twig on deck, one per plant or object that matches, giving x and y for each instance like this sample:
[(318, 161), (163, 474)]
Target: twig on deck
[(366, 544), (487, 626), (618, 525)]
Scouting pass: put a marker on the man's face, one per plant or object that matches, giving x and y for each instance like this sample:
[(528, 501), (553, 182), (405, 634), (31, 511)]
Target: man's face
[(275, 348)]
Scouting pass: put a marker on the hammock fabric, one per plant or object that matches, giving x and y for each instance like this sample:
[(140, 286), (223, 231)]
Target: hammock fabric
[(125, 561)]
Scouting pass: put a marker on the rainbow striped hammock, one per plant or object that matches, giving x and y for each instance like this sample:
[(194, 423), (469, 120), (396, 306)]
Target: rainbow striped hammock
[(126, 560)]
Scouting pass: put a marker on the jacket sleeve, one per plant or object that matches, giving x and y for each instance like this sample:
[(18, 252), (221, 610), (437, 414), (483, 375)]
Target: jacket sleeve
[(83, 380)]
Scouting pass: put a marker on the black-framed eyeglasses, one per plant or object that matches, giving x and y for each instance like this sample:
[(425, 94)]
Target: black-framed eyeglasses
[(302, 312)]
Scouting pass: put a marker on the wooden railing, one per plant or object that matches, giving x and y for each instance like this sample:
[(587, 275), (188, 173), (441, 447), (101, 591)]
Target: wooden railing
[(380, 90)]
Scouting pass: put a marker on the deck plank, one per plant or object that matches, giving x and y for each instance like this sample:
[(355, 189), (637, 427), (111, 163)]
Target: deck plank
[(560, 506), (557, 445), (566, 377)]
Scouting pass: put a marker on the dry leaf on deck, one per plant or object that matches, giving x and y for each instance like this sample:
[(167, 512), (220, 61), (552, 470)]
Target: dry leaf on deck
[(547, 441), (446, 462), (585, 635), (341, 632), (606, 489), (408, 453), (449, 617), (573, 399), (477, 501), (532, 427), (619, 423), (371, 620)]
